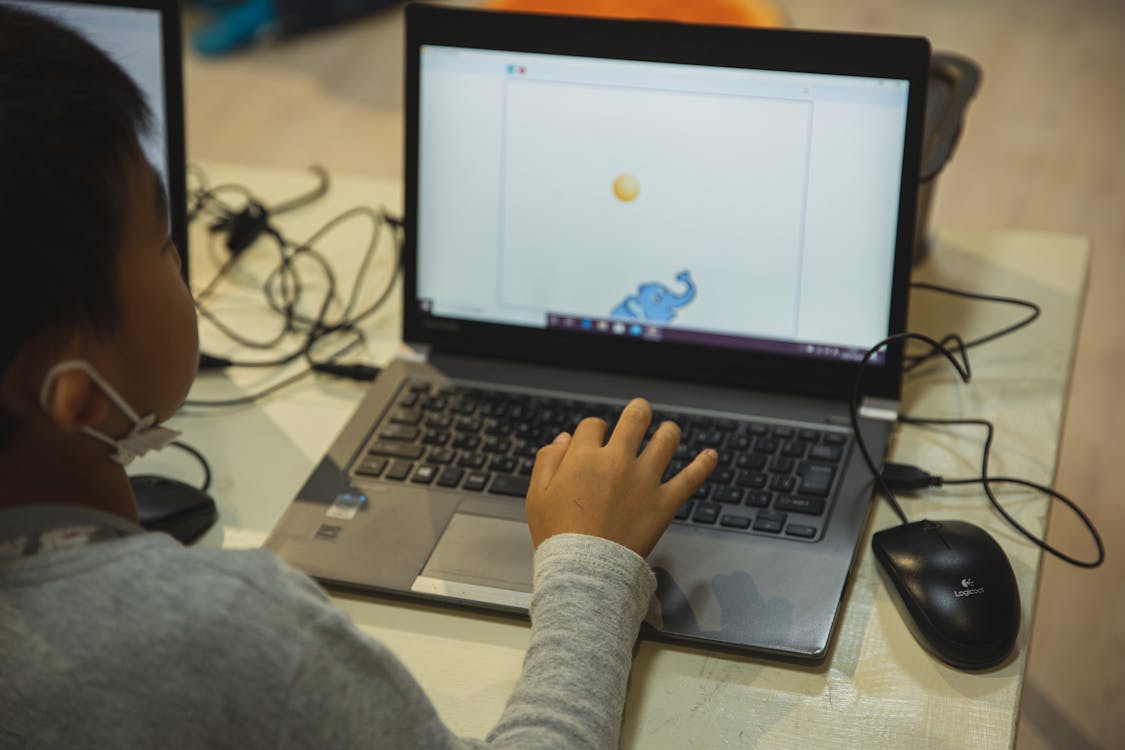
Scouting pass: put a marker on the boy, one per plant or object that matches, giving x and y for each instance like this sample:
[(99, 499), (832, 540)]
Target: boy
[(110, 637)]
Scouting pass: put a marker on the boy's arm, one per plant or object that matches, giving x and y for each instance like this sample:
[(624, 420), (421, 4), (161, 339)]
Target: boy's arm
[(589, 599), (590, 596), (595, 508)]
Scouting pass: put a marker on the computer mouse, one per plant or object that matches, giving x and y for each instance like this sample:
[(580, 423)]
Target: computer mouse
[(172, 506), (957, 588)]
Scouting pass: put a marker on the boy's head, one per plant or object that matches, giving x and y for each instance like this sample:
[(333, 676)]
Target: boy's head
[(89, 270)]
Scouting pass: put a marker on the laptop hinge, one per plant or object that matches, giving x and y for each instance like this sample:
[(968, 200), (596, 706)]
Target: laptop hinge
[(414, 352), (882, 409)]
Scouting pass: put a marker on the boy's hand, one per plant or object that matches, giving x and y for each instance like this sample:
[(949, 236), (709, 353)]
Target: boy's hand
[(578, 486)]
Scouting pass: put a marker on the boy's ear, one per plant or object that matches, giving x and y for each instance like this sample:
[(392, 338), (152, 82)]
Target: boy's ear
[(75, 401)]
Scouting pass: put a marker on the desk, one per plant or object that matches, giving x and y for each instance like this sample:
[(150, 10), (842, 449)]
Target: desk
[(877, 688)]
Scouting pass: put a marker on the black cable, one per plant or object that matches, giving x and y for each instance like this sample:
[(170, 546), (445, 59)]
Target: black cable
[(912, 477), (283, 289), (963, 369), (986, 481), (913, 361), (202, 462)]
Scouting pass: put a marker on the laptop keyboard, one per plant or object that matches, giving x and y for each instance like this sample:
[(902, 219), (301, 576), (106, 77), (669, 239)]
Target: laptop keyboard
[(773, 478)]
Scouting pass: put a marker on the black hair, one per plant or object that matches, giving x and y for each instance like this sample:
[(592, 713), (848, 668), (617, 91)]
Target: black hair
[(70, 122)]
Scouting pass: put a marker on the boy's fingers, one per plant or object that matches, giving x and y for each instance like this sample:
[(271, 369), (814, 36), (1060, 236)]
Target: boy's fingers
[(590, 431), (632, 426), (680, 487), (547, 460), (661, 446)]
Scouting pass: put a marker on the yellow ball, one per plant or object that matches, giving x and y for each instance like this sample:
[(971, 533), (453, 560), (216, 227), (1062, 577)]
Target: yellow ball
[(626, 187)]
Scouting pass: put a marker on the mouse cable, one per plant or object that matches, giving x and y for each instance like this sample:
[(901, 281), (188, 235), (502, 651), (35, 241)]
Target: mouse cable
[(905, 476), (963, 370), (914, 361), (986, 481), (198, 457)]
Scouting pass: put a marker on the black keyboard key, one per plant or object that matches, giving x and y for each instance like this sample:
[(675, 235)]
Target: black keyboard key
[(770, 521), (406, 416), (826, 452), (467, 424), (835, 438), (476, 481), (526, 467), (402, 432), (752, 479), (759, 498), (735, 522), (751, 461), (396, 449), (703, 492), (466, 441), (728, 495), (503, 464), (816, 479), (525, 449), (450, 477), (781, 483), (765, 446), (399, 470), (707, 439), (439, 421), (436, 437), (738, 443), (725, 425), (758, 430), (800, 530), (795, 449), (781, 465), (471, 460), (496, 445), (496, 428), (783, 432), (809, 436), (722, 476), (419, 387), (408, 401), (434, 403), (684, 511), (507, 484), (441, 456), (371, 467), (425, 474), (706, 513), (807, 505)]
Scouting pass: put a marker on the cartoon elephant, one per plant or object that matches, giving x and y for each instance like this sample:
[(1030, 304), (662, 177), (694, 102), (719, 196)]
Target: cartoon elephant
[(655, 302)]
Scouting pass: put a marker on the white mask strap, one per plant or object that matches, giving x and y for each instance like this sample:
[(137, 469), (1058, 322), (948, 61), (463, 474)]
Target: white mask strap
[(146, 435)]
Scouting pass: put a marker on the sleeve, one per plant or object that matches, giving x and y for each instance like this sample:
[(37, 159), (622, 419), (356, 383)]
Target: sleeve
[(589, 597)]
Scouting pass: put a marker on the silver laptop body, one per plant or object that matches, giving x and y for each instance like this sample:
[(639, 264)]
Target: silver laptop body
[(717, 219)]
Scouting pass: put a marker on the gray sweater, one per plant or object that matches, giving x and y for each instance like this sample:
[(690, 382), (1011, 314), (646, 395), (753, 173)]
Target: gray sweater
[(137, 642)]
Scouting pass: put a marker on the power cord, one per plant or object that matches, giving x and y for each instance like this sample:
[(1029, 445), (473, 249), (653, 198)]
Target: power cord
[(283, 287)]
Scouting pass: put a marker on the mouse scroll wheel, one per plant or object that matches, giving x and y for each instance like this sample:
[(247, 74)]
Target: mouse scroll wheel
[(929, 525)]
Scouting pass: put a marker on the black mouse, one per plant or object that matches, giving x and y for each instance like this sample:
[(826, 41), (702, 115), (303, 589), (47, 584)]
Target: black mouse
[(957, 586), (171, 506)]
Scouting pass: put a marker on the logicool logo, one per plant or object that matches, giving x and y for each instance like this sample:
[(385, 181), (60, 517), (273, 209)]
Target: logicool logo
[(967, 588)]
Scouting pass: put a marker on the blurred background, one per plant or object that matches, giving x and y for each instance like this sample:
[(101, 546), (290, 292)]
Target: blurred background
[(1041, 149)]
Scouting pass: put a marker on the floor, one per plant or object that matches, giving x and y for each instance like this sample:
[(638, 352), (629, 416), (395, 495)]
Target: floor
[(1041, 150)]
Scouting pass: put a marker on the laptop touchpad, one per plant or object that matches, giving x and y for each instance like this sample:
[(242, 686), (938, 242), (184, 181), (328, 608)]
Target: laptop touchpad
[(480, 559)]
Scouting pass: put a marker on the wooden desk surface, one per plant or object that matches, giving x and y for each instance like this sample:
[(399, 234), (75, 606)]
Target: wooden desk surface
[(877, 688)]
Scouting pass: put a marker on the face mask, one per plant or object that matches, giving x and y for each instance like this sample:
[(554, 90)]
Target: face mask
[(146, 435)]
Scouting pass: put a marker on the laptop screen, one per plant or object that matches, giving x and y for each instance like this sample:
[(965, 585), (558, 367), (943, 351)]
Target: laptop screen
[(143, 39), (726, 207)]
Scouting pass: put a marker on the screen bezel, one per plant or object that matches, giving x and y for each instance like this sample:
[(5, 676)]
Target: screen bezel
[(904, 58)]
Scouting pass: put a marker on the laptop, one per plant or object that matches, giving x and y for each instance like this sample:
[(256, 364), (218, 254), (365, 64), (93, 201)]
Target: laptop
[(718, 219), (143, 37)]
